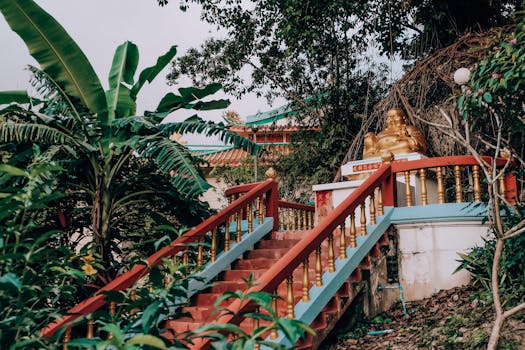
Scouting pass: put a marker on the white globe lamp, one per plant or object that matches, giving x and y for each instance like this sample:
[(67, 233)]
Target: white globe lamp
[(462, 76)]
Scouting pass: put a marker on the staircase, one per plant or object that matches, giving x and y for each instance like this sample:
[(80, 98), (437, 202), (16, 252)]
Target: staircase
[(316, 270)]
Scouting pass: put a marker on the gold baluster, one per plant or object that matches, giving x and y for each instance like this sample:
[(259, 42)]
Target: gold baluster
[(200, 253), (294, 227), (262, 210), (331, 253), (310, 220), (305, 224), (112, 312), (306, 281), (380, 207), (342, 241), (90, 329), (440, 185), (273, 332), (256, 325), (289, 219), (112, 308), (289, 298), (457, 176), (372, 209), (67, 338), (133, 297), (227, 235), (238, 231), (185, 258), (282, 217), (408, 192), (477, 187), (353, 238), (502, 189), (363, 220), (213, 244), (423, 181), (318, 268), (249, 217)]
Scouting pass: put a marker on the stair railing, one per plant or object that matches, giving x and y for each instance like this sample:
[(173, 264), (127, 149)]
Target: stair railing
[(341, 226), (258, 202), (453, 179), (318, 248), (295, 216), (291, 216)]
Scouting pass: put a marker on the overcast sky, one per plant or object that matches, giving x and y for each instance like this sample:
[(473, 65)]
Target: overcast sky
[(99, 26)]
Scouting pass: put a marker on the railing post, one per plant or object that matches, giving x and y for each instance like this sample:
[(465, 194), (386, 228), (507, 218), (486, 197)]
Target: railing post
[(272, 199), (389, 189), (511, 188)]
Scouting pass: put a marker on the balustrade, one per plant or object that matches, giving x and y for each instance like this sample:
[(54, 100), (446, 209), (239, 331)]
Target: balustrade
[(438, 181), (193, 250), (443, 180)]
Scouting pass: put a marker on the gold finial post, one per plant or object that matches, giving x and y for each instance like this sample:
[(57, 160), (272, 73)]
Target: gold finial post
[(271, 174)]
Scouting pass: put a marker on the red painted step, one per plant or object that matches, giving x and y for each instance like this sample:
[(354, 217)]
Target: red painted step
[(276, 243), (275, 253)]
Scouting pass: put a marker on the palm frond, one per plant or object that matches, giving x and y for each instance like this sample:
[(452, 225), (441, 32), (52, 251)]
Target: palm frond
[(197, 125), (56, 52), (31, 132), (174, 159), (134, 123), (59, 102)]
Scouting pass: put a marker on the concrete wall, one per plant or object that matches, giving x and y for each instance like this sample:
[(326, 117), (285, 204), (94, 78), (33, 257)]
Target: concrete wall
[(427, 255), (215, 195)]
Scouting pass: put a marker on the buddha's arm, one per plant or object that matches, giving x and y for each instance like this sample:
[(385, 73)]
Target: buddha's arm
[(416, 139)]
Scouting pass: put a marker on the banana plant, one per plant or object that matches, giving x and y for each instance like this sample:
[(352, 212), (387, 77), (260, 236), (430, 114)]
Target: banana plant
[(99, 132)]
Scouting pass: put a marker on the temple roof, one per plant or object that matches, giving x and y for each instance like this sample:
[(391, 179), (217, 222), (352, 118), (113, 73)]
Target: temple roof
[(229, 156)]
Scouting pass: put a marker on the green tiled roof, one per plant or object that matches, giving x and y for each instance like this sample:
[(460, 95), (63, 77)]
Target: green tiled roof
[(271, 116), (278, 113)]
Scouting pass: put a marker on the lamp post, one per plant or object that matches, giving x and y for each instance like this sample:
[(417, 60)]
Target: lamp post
[(255, 129)]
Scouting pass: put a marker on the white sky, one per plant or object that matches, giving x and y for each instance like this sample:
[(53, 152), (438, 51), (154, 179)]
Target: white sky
[(99, 26)]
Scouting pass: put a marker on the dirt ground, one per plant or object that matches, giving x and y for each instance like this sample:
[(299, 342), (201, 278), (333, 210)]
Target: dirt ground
[(460, 318)]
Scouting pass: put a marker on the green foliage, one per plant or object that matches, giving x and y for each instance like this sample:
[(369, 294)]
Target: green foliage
[(138, 320), (497, 86), (101, 142), (39, 277), (511, 268), (290, 328)]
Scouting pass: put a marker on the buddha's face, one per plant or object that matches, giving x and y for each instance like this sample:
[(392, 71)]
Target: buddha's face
[(395, 118)]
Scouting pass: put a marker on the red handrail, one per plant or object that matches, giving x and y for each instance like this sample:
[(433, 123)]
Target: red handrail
[(130, 277), (240, 188), (293, 205), (441, 161)]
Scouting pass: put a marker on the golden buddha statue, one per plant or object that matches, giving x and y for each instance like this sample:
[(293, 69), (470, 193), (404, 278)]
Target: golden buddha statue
[(397, 138)]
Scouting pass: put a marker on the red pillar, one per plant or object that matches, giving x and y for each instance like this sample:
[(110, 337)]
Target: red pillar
[(272, 205), (511, 188), (388, 189)]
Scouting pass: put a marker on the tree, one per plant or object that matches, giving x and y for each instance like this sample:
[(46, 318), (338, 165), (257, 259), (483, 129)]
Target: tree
[(299, 50), (96, 134), (494, 95), (304, 53)]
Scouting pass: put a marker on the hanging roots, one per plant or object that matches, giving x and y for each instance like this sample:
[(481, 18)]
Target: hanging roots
[(428, 85)]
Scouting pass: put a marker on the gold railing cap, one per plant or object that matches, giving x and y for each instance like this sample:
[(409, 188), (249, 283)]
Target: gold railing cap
[(271, 173)]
